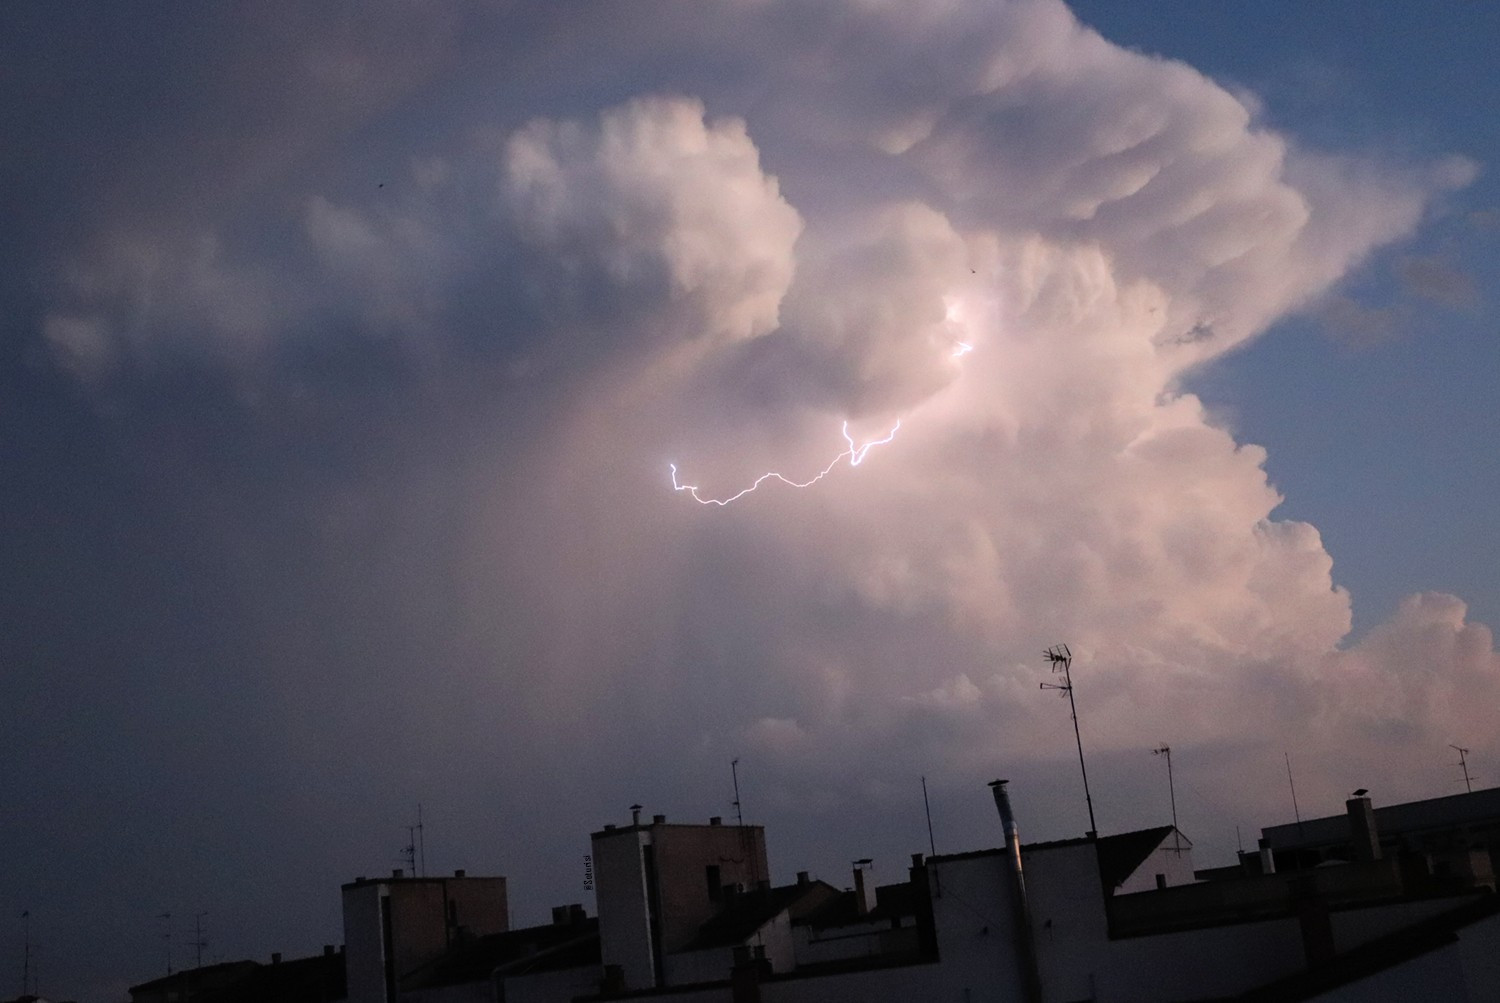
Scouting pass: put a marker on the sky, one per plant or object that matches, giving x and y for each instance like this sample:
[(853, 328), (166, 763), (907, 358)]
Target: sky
[(347, 355)]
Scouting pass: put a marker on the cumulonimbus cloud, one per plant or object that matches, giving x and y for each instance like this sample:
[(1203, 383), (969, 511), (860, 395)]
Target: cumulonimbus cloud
[(1092, 221)]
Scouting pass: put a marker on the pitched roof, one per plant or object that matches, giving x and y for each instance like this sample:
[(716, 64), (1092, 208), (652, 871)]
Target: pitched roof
[(748, 911), (843, 909), (319, 978), (1120, 855), (531, 949)]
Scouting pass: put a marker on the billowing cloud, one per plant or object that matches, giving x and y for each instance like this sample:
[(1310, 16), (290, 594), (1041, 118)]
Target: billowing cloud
[(719, 274)]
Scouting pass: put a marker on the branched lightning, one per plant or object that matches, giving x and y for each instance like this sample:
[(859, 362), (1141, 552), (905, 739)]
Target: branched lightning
[(855, 454)]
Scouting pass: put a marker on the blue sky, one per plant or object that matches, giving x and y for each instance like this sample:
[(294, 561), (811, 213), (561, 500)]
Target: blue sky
[(343, 352), (1386, 445)]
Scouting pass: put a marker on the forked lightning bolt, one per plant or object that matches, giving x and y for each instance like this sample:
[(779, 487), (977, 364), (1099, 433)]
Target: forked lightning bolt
[(855, 454)]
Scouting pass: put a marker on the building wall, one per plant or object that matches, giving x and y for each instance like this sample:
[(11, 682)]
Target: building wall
[(364, 954), (1437, 975), (1352, 927), (549, 987), (624, 909), (420, 910), (903, 984), (683, 854), (1066, 898), (1176, 867), (1198, 964), (862, 940), (467, 992), (973, 911), (480, 905), (1479, 947)]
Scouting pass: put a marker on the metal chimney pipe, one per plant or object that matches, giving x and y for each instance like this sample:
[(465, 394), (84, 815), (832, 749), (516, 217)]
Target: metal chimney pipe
[(1007, 815), (1030, 968)]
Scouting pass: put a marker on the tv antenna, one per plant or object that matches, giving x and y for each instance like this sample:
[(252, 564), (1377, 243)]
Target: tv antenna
[(198, 943), (1463, 763), (1062, 661), (1296, 812), (1166, 751), (734, 771), (927, 806), (27, 983), (166, 936)]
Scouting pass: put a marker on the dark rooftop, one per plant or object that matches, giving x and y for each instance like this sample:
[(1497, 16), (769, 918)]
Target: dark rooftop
[(533, 949), (1478, 809), (747, 912), (1119, 855)]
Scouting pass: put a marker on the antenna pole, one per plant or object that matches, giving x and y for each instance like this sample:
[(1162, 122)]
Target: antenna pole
[(734, 771), (166, 917), (927, 805), (1463, 763), (26, 960), (198, 942), (1296, 813), (1062, 660), (1166, 750), (421, 841)]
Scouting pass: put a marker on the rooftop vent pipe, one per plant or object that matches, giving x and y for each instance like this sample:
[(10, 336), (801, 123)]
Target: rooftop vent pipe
[(1026, 947)]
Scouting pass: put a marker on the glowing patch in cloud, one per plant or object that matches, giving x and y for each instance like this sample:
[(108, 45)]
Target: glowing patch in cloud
[(855, 454)]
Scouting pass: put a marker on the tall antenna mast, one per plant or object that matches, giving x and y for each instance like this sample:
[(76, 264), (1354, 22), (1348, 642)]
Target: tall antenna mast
[(1296, 813), (198, 942), (409, 851), (1166, 750), (1062, 661), (166, 918), (421, 842), (1463, 762), (734, 771), (26, 960), (927, 806)]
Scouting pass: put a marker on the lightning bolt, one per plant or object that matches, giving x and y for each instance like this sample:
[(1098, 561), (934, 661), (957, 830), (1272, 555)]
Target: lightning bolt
[(855, 454)]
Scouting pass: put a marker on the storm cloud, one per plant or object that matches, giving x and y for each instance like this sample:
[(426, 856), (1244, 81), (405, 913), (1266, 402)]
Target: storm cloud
[(385, 377)]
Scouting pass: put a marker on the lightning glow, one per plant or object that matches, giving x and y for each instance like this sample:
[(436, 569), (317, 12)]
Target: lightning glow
[(961, 349), (855, 454)]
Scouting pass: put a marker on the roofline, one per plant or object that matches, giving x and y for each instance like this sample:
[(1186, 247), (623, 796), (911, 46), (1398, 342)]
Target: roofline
[(648, 826)]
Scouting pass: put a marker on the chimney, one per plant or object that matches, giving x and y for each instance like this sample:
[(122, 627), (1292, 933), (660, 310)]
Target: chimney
[(396, 872), (459, 873), (327, 950), (1362, 832), (1267, 861), (1026, 947), (276, 958), (864, 892), (635, 814), (658, 820), (802, 879), (716, 820), (560, 915)]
